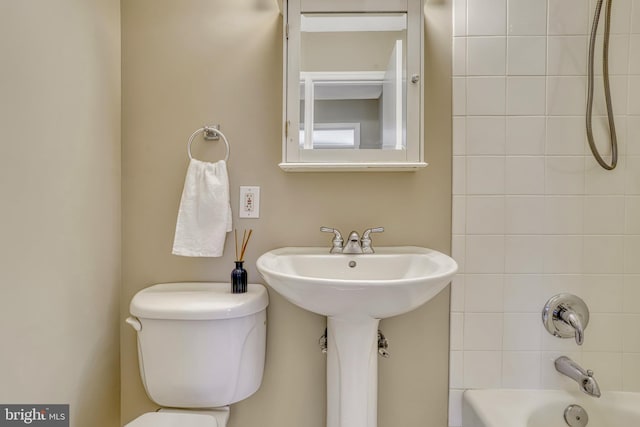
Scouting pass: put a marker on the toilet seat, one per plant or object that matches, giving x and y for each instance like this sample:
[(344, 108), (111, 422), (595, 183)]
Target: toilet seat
[(174, 419)]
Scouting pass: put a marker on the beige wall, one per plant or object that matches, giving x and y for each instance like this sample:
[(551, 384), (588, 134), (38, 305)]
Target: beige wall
[(60, 216), (211, 61)]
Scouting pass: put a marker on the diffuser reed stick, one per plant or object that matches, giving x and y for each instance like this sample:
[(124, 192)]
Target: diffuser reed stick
[(245, 242), (235, 234)]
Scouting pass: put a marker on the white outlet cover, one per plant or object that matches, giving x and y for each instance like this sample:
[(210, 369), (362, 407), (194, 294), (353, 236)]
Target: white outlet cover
[(249, 202)]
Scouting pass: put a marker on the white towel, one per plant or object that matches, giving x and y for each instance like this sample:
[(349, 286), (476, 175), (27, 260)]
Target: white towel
[(204, 217)]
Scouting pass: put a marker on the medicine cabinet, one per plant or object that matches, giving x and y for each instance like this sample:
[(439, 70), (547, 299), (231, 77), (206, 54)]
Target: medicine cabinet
[(353, 98)]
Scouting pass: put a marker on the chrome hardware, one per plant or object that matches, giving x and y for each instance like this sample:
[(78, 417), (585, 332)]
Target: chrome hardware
[(211, 133), (415, 78), (383, 344), (576, 416), (134, 323), (336, 243), (584, 378), (322, 342), (365, 241), (353, 244), (566, 316)]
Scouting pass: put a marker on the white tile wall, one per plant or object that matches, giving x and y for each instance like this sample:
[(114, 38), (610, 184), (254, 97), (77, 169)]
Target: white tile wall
[(525, 96), (524, 175), (486, 96), (567, 55), (485, 135), (527, 17), (566, 136), (568, 17), (526, 56), (620, 18), (619, 54), (485, 56), (634, 102), (524, 214), (486, 17), (485, 175), (533, 214), (634, 54), (485, 215), (566, 95), (526, 135)]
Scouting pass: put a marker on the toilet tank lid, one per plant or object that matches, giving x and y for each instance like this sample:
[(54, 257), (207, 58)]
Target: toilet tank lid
[(197, 301)]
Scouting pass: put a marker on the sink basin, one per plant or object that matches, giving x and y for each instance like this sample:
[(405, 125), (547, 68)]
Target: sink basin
[(355, 292), (392, 281)]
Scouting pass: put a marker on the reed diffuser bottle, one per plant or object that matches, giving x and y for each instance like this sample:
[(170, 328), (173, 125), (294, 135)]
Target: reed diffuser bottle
[(239, 279), (239, 274)]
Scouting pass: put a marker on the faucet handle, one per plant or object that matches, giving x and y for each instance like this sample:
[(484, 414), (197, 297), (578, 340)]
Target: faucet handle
[(566, 316), (572, 318), (337, 240), (365, 241), (368, 231)]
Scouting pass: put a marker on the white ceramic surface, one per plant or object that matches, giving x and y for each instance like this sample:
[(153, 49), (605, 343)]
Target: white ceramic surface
[(545, 408), (199, 346), (355, 292), (392, 281)]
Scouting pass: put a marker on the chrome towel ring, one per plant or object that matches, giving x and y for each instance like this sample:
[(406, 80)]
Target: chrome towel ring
[(210, 133)]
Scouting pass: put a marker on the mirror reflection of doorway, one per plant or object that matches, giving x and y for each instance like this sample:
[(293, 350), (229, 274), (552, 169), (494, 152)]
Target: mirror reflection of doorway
[(360, 80)]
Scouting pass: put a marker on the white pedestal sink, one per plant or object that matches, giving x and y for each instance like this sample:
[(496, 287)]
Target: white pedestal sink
[(355, 292)]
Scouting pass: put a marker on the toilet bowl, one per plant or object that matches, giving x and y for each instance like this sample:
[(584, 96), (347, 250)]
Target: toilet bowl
[(200, 349), (182, 418)]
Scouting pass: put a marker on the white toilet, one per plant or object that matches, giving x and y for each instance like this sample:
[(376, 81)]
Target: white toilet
[(200, 349)]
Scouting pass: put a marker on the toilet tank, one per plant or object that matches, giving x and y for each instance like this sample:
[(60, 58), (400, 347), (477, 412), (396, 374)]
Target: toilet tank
[(199, 345)]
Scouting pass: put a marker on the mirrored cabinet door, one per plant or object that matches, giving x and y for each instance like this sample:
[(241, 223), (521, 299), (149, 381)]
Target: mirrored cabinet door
[(353, 94)]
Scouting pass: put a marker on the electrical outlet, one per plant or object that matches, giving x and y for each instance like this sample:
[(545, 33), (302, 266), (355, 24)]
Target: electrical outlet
[(249, 202)]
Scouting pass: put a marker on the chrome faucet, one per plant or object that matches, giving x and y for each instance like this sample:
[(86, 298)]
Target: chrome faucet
[(366, 240), (566, 316), (336, 243), (585, 379), (355, 244), (575, 321)]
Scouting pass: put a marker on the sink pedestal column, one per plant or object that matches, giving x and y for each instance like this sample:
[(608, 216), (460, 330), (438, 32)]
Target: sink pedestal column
[(352, 371)]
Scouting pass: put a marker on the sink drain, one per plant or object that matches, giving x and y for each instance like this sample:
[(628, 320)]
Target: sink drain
[(576, 416)]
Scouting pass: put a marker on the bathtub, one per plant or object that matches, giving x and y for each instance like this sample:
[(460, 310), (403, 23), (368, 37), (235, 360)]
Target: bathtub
[(545, 408)]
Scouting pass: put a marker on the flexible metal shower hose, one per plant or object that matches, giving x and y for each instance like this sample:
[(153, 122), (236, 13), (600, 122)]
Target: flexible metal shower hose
[(607, 89)]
